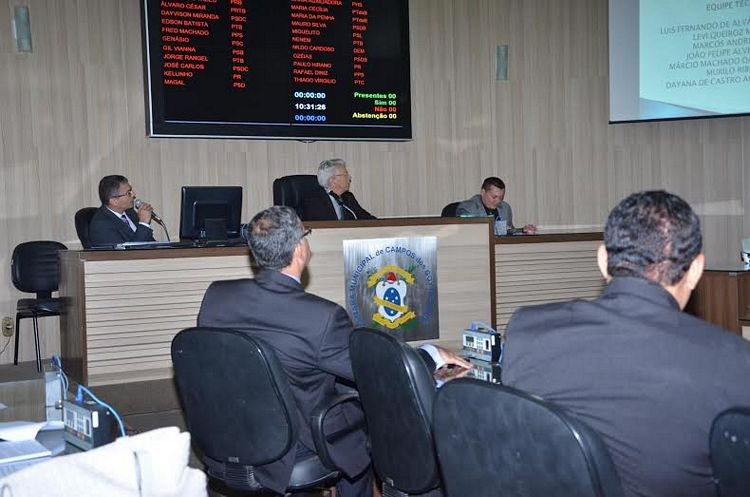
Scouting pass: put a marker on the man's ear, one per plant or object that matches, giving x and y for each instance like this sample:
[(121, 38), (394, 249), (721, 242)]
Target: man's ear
[(695, 271), (297, 255), (601, 260)]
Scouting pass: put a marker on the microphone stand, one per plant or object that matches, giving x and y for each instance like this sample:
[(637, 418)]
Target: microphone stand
[(164, 226)]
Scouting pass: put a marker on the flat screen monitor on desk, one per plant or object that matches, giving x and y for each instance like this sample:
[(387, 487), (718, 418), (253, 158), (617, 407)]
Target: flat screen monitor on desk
[(210, 212)]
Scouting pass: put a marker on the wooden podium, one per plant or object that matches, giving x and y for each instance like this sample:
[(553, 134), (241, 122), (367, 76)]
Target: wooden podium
[(123, 307)]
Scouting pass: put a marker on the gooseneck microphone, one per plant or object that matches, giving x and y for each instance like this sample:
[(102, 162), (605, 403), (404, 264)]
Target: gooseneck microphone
[(138, 203), (341, 203)]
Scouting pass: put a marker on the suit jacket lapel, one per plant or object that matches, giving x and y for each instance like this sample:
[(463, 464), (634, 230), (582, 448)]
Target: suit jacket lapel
[(326, 200), (122, 227)]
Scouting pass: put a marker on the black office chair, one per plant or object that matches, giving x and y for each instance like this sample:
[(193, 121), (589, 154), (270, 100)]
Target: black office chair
[(494, 440), (240, 410), (83, 220), (396, 391), (730, 452), (450, 210), (291, 190), (35, 268)]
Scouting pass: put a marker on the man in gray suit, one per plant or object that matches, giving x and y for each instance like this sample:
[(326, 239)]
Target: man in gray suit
[(491, 202), (309, 334)]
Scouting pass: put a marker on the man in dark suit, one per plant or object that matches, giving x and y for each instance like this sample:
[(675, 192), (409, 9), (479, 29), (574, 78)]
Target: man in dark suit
[(309, 334), (116, 221), (333, 200), (648, 377)]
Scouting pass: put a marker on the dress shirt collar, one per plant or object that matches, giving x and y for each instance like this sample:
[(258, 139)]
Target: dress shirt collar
[(291, 276)]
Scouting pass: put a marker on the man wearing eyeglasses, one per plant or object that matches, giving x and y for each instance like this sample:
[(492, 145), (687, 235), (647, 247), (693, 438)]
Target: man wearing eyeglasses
[(310, 336), (116, 221), (333, 201)]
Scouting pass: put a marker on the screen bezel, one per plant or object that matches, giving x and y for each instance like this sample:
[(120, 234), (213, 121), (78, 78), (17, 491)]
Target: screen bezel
[(158, 127), (192, 195)]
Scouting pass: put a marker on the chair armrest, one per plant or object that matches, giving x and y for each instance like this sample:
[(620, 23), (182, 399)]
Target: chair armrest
[(318, 417)]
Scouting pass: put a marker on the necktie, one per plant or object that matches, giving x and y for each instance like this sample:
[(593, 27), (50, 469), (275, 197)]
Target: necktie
[(346, 212), (125, 219)]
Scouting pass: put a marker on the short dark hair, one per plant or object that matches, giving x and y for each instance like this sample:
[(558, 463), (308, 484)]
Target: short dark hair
[(493, 181), (272, 236), (653, 235), (109, 186)]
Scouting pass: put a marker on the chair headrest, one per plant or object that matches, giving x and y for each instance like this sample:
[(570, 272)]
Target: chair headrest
[(35, 266), (235, 394), (540, 448), (397, 391), (730, 450), (291, 190), (450, 210), (82, 221)]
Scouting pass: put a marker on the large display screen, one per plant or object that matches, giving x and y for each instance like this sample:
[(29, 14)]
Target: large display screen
[(297, 69), (676, 59)]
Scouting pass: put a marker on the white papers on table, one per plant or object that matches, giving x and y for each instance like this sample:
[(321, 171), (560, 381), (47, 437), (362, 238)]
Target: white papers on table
[(21, 451)]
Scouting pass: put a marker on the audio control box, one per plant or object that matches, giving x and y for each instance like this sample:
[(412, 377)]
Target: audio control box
[(87, 424), (482, 344), (485, 371)]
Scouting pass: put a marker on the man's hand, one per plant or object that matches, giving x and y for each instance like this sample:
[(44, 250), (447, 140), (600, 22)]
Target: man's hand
[(529, 229), (446, 373), (454, 359), (144, 213)]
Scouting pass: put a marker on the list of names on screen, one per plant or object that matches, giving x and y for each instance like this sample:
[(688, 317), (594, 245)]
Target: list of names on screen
[(300, 69)]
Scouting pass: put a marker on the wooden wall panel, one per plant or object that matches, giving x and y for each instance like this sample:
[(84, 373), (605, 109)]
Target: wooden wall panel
[(73, 111), (544, 273)]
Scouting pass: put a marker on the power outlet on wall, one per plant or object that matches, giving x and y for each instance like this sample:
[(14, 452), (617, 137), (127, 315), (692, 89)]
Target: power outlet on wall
[(7, 326)]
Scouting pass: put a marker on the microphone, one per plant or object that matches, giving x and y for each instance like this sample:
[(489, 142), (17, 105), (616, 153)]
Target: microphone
[(138, 203), (341, 203)]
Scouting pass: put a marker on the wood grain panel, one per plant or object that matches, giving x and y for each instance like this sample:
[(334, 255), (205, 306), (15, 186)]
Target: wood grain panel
[(73, 111), (134, 308), (541, 273), (463, 269), (722, 297)]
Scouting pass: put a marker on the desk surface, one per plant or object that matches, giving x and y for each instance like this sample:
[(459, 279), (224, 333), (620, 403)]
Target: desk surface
[(546, 236), (726, 266)]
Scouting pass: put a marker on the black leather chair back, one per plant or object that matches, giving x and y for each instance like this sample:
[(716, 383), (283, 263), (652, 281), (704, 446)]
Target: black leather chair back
[(494, 440), (290, 190), (449, 210), (237, 402), (83, 220), (730, 452), (35, 267), (396, 391)]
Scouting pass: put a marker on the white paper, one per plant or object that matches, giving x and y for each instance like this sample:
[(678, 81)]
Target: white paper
[(20, 451), (15, 431), (53, 425)]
